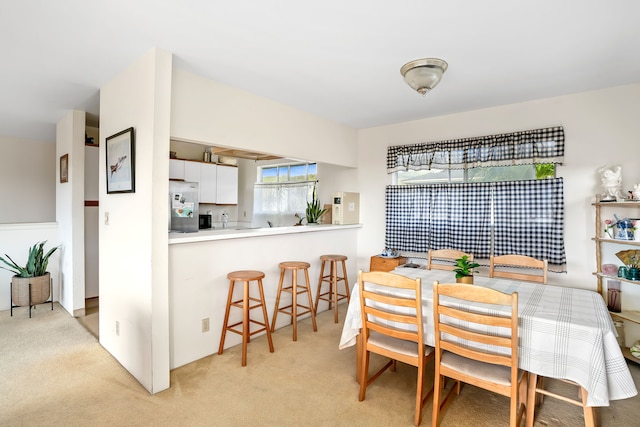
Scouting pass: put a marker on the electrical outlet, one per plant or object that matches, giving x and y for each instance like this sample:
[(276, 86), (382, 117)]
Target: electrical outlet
[(117, 328), (205, 325)]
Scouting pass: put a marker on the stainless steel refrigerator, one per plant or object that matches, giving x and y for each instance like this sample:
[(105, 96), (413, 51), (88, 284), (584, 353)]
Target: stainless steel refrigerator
[(183, 206)]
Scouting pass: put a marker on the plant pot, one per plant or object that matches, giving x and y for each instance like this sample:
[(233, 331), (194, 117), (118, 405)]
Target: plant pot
[(466, 280), (40, 290)]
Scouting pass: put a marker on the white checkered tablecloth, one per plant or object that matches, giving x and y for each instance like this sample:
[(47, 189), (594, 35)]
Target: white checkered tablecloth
[(563, 332)]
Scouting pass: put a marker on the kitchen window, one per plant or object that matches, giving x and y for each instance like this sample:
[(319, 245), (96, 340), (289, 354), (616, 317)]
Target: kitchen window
[(283, 191)]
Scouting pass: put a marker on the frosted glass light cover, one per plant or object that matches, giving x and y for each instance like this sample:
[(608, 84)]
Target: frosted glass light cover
[(423, 74)]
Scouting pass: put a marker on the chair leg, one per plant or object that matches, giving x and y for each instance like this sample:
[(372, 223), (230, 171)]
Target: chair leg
[(346, 280), (419, 391), (319, 286), (334, 283), (294, 303), (364, 373), (226, 318), (313, 312), (266, 317), (437, 390), (245, 322), (277, 306)]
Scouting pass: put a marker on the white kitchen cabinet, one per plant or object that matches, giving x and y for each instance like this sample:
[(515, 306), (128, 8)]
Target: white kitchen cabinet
[(208, 180), (192, 171), (176, 169), (227, 185)]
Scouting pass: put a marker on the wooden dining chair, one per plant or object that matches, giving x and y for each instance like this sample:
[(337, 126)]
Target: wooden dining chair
[(448, 255), (467, 344), (536, 389), (537, 383), (387, 299), (512, 262)]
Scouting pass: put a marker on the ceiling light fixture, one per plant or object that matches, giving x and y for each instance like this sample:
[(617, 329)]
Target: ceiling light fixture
[(423, 74)]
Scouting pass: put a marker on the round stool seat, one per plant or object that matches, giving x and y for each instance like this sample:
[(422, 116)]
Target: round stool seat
[(333, 258), (244, 275), (294, 265)]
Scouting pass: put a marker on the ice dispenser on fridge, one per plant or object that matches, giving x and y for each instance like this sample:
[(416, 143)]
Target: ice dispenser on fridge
[(346, 208)]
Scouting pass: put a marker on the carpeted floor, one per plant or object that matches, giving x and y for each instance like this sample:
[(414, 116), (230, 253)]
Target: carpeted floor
[(54, 372)]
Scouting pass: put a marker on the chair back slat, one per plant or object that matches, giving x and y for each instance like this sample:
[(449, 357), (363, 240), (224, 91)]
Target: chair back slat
[(512, 262), (448, 256)]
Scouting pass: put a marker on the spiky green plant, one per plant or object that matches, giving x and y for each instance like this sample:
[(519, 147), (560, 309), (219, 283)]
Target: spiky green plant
[(314, 211), (464, 267), (36, 263)]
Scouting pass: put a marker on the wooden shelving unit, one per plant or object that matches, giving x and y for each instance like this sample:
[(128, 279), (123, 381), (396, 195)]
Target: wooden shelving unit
[(625, 315)]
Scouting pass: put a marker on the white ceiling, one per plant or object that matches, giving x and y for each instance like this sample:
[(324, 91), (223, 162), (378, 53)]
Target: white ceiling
[(339, 59)]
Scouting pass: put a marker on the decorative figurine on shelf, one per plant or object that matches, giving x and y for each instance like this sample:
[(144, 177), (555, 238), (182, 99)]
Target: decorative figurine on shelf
[(611, 183), (636, 192)]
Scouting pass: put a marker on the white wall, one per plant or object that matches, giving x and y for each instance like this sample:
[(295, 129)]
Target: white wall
[(70, 211), (134, 245), (27, 180), (206, 111), (601, 127)]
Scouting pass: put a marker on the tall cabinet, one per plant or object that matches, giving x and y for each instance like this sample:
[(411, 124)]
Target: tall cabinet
[(606, 248)]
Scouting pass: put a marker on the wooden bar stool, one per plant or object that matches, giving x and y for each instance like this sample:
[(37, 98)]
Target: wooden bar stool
[(295, 289), (245, 276), (332, 296)]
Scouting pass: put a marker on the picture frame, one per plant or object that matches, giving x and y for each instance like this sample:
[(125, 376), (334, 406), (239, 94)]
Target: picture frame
[(120, 159), (64, 168)]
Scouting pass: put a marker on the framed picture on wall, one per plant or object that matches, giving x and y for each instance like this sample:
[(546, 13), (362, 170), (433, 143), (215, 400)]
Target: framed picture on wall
[(64, 168), (121, 164)]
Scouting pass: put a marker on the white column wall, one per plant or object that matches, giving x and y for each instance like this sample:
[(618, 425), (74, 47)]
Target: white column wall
[(133, 246), (70, 211)]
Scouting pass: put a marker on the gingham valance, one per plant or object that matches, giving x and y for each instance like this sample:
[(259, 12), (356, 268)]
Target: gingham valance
[(515, 148)]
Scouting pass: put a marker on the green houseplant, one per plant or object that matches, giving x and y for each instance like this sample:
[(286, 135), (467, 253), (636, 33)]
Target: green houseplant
[(314, 210), (464, 269), (31, 284)]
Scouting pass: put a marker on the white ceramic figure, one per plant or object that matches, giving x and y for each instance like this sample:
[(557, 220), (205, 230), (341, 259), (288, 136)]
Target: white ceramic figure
[(611, 182), (636, 192)]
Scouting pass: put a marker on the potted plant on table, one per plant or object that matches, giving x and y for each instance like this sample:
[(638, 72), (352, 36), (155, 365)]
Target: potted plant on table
[(464, 269), (314, 211), (31, 284)]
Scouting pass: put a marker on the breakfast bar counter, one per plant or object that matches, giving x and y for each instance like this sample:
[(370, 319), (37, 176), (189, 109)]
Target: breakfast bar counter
[(199, 264)]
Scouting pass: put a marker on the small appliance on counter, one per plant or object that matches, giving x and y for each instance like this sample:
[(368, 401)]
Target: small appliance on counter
[(346, 208), (183, 206), (206, 222)]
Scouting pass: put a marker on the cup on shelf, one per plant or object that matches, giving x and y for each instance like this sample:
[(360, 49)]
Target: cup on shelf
[(623, 271)]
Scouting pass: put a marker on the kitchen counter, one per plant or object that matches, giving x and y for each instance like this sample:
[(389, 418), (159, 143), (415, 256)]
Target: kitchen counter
[(242, 233)]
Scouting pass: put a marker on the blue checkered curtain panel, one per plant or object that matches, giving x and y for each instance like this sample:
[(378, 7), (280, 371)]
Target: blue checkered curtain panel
[(516, 148), (423, 217), (529, 220)]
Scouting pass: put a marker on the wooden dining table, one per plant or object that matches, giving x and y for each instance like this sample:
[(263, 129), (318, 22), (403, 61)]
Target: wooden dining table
[(563, 332)]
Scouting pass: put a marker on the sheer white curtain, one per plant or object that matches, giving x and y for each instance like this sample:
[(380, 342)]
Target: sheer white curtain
[(279, 202)]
